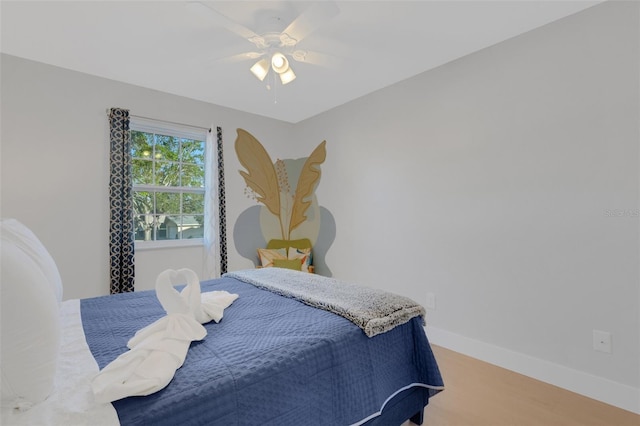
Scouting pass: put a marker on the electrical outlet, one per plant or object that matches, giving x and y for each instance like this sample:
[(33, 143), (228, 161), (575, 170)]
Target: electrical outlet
[(602, 341), (430, 301)]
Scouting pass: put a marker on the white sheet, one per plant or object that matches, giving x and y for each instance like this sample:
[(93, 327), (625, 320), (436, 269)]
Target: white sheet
[(72, 401)]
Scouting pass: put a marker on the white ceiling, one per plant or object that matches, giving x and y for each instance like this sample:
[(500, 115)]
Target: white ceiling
[(181, 49)]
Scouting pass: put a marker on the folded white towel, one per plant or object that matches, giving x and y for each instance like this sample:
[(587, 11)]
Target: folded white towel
[(159, 349), (206, 306), (213, 304)]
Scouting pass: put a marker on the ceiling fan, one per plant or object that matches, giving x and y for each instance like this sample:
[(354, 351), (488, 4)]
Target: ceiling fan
[(275, 48)]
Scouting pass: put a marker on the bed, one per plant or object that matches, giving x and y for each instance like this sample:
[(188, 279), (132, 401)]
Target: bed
[(272, 360)]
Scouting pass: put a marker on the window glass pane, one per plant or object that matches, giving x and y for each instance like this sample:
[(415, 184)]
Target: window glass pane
[(193, 152), (192, 226), (192, 203), (142, 202), (142, 171), (173, 227), (141, 144), (192, 176), (164, 228), (167, 203), (143, 227), (167, 148), (167, 174)]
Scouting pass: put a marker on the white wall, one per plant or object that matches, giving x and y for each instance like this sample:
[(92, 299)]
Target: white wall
[(55, 166), (488, 182), (485, 181)]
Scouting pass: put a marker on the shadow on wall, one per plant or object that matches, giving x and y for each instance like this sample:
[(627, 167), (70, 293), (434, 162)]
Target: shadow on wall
[(289, 210)]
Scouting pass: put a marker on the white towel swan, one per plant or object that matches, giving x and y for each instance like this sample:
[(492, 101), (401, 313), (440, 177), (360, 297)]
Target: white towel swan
[(159, 349)]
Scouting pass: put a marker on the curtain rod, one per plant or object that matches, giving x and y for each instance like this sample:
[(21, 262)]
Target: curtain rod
[(164, 121)]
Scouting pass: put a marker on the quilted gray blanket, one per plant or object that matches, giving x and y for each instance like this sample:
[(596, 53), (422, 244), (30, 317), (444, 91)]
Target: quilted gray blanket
[(374, 311)]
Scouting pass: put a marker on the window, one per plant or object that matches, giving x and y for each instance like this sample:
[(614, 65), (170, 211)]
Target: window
[(168, 182)]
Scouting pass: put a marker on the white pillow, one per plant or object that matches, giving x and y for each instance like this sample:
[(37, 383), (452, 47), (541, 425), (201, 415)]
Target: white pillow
[(17, 233), (29, 321)]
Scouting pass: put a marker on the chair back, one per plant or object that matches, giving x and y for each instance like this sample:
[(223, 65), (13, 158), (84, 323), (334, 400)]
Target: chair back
[(302, 243)]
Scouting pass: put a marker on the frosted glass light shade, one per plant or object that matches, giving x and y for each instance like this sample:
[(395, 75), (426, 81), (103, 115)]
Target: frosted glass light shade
[(288, 76), (260, 69), (279, 63)]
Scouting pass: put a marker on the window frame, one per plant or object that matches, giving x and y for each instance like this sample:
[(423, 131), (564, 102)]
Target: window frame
[(146, 125)]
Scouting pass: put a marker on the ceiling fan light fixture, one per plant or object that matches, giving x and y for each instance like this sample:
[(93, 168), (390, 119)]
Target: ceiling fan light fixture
[(279, 63), (287, 77), (260, 69)]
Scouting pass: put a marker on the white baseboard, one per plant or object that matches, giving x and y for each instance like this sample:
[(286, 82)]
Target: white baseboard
[(598, 388)]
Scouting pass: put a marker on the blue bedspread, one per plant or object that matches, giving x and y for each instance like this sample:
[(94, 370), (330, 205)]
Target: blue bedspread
[(270, 361)]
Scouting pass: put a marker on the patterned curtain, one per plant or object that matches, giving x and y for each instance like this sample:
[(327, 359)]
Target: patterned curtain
[(121, 237), (222, 206), (215, 229)]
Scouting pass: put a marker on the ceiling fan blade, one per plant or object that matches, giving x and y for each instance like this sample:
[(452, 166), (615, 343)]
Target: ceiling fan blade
[(311, 19), (217, 18), (242, 57), (317, 58)]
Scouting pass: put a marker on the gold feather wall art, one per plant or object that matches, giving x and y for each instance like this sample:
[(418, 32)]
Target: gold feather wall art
[(271, 184)]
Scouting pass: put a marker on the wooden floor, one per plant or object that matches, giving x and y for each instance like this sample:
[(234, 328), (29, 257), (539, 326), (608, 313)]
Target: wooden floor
[(481, 394)]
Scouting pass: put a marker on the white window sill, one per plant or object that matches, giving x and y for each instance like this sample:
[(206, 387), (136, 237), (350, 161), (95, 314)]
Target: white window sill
[(168, 244)]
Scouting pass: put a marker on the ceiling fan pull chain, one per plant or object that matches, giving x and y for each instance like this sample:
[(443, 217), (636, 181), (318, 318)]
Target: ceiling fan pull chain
[(275, 88)]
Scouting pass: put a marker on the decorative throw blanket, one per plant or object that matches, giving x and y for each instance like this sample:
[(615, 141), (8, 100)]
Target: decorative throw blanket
[(374, 311)]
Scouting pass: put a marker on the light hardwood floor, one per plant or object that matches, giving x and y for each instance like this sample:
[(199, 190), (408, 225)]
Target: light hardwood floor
[(481, 394)]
